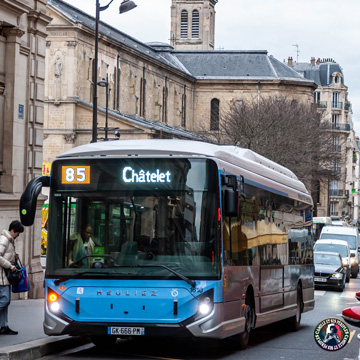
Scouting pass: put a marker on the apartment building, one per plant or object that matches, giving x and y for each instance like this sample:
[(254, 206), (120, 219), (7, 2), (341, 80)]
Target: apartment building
[(337, 193)]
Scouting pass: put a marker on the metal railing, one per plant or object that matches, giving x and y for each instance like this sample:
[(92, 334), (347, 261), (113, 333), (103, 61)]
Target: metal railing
[(336, 148), (344, 127), (336, 192), (321, 104), (336, 104)]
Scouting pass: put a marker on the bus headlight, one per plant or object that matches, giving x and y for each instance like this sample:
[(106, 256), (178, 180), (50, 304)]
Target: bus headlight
[(205, 306), (206, 303), (55, 307), (53, 301)]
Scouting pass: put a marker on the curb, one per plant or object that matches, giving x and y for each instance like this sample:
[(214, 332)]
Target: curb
[(38, 348)]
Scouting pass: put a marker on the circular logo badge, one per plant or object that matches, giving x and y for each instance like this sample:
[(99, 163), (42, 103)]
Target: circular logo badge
[(332, 334)]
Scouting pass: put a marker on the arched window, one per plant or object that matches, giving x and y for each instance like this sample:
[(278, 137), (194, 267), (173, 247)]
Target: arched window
[(195, 24), (215, 111), (184, 25)]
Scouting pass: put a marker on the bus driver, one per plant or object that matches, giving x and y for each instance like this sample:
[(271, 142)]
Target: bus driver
[(81, 244)]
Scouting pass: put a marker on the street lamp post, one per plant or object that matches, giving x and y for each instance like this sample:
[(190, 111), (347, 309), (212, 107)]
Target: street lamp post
[(125, 6), (105, 83)]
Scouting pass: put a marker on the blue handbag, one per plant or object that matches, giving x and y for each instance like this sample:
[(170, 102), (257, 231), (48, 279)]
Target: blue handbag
[(23, 285)]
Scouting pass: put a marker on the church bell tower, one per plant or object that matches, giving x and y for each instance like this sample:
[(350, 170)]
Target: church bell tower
[(193, 24)]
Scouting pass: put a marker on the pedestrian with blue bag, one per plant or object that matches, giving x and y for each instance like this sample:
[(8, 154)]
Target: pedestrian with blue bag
[(7, 261)]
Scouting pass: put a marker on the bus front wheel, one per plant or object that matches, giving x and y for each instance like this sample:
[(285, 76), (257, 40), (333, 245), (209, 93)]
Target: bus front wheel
[(294, 321), (245, 335)]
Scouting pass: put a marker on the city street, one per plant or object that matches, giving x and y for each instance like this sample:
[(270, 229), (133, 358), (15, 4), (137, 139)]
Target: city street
[(271, 342)]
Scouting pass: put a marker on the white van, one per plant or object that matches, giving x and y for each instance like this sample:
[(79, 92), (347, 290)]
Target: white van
[(351, 236), (337, 246)]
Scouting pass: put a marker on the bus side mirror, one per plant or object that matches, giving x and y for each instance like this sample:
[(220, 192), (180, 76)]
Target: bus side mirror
[(231, 206), (29, 198)]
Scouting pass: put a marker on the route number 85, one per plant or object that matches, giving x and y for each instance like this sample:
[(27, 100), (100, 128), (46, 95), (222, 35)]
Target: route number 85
[(75, 175)]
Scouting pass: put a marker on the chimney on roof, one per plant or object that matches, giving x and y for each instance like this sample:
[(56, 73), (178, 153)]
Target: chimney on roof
[(312, 61), (290, 61), (318, 61)]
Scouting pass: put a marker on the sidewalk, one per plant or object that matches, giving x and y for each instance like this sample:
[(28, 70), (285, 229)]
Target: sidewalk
[(26, 317)]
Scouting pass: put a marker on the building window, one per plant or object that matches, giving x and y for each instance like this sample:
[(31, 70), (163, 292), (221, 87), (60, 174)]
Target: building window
[(195, 24), (317, 97), (336, 167), (333, 211), (335, 121), (215, 111), (336, 144), (336, 100), (184, 25), (183, 122)]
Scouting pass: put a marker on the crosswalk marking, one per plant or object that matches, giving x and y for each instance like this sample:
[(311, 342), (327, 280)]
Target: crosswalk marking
[(344, 294), (348, 294)]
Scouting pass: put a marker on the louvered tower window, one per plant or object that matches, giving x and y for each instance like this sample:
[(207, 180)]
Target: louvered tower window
[(195, 24), (184, 25)]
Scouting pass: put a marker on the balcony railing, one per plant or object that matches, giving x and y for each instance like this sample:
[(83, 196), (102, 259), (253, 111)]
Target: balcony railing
[(336, 105), (336, 192), (343, 127), (336, 171), (321, 104), (334, 213), (336, 148)]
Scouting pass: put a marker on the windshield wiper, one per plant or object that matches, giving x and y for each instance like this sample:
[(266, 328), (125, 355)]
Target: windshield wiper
[(182, 277), (68, 277)]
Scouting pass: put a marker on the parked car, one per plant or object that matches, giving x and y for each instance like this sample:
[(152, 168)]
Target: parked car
[(338, 246), (329, 271), (351, 236)]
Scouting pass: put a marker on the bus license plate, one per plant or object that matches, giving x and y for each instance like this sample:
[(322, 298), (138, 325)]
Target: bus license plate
[(132, 331), (320, 279)]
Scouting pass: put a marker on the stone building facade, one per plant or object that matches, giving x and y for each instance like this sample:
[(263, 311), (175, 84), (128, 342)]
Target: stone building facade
[(22, 80), (154, 89), (338, 194)]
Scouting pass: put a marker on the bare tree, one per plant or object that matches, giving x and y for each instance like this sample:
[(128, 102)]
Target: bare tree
[(286, 131)]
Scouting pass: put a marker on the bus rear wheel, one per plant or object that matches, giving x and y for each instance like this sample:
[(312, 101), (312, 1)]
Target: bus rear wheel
[(103, 341)]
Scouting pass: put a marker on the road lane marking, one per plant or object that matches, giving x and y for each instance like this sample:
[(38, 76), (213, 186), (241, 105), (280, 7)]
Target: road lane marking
[(319, 292), (348, 294), (352, 333)]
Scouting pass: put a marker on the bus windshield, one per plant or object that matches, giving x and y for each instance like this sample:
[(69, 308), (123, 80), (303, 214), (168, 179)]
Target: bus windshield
[(108, 226)]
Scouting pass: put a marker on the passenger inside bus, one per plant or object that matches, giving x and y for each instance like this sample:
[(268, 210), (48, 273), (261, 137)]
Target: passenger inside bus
[(82, 244)]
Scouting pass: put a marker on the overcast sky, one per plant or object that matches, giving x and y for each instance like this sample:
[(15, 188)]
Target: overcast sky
[(320, 28)]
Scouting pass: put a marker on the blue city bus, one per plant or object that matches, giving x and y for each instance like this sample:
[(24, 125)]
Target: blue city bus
[(187, 239)]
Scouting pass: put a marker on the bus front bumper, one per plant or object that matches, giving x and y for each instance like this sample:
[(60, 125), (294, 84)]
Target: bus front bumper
[(210, 326)]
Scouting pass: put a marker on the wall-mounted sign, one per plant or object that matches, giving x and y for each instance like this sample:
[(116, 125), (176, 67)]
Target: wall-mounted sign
[(46, 168), (21, 112)]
